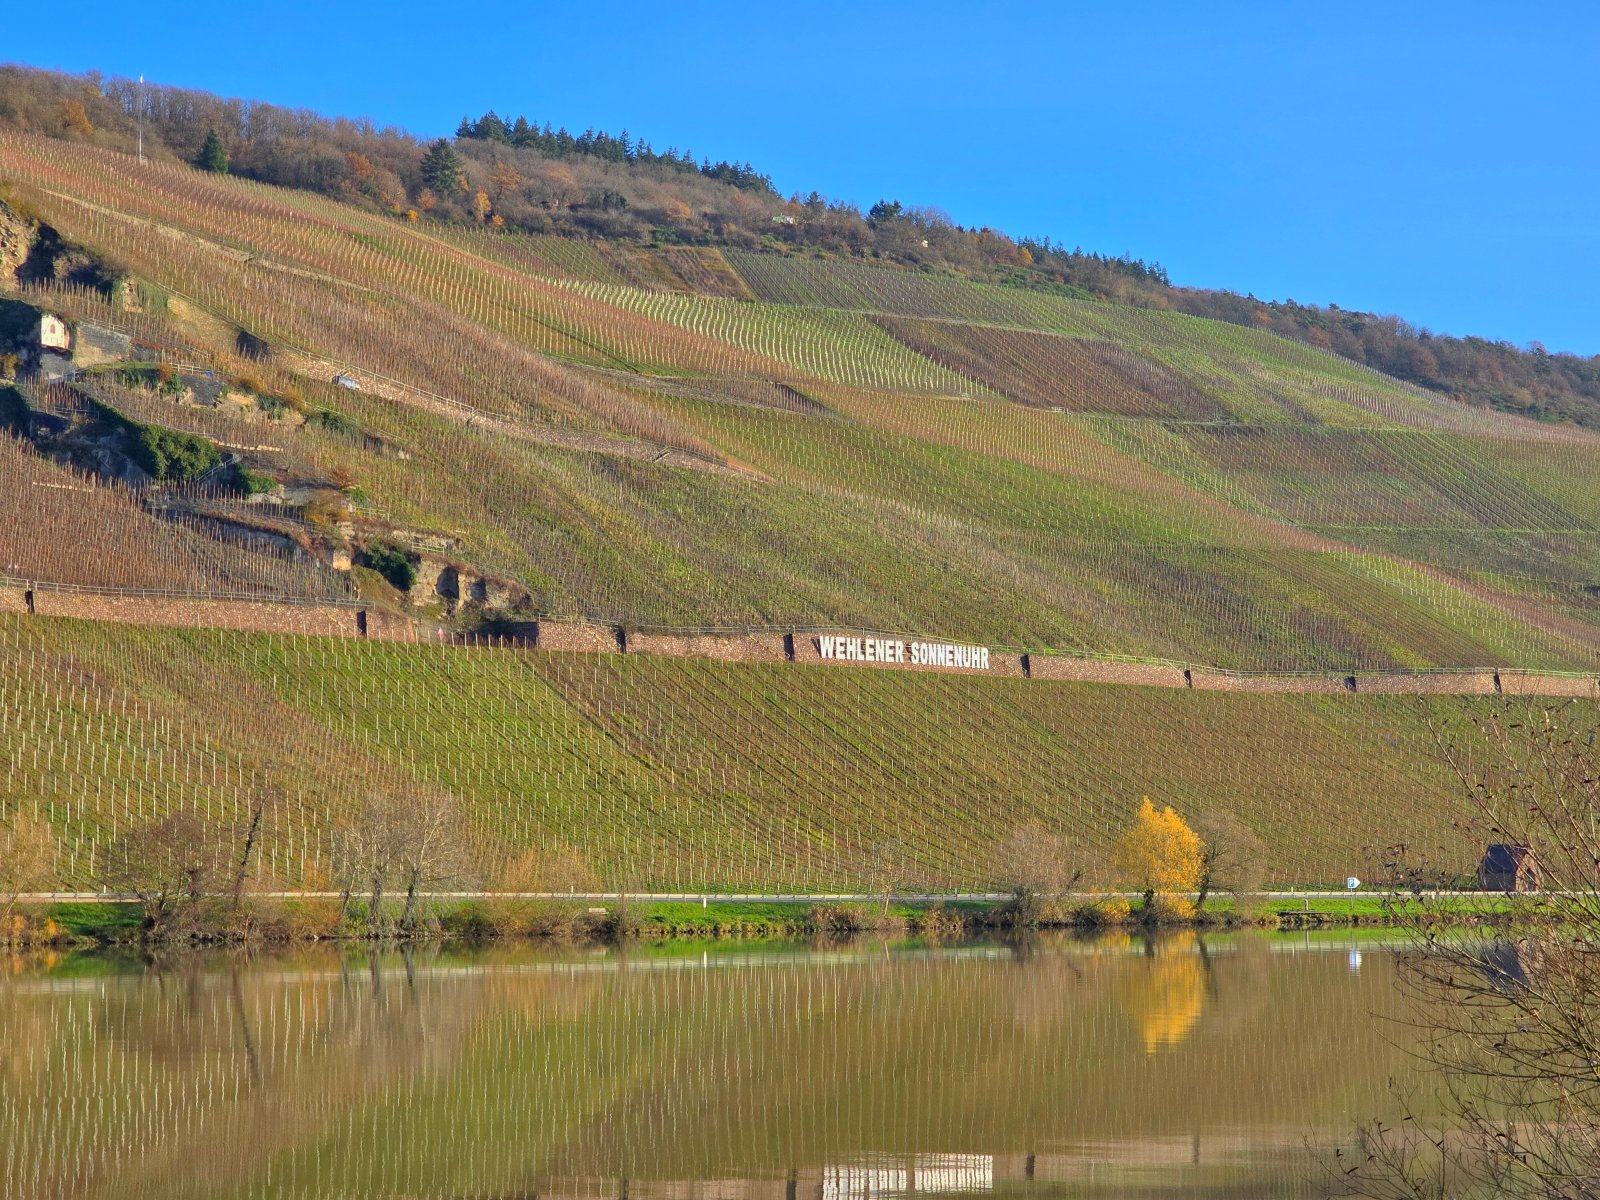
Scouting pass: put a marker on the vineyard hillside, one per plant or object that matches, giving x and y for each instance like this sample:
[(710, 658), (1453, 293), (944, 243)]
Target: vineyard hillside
[(618, 772), (216, 388), (645, 435)]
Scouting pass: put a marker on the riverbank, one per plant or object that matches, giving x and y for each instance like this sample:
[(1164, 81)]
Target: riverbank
[(287, 920)]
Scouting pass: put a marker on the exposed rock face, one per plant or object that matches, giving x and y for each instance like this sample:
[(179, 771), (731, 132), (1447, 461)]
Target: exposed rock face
[(16, 243), (436, 580)]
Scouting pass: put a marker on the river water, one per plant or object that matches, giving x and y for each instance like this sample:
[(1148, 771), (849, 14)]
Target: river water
[(1224, 1066)]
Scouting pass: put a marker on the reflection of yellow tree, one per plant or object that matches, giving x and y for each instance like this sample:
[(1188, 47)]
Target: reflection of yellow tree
[(1166, 999)]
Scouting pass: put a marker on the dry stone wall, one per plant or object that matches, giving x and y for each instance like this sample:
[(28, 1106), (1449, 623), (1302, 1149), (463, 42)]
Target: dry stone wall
[(326, 620), (385, 626), (1442, 683), (736, 647), (817, 649), (1084, 670), (1222, 681), (1524, 683), (576, 637)]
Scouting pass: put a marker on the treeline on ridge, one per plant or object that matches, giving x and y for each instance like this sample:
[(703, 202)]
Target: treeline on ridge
[(539, 179)]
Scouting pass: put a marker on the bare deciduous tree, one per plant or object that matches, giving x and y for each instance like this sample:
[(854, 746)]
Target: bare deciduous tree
[(168, 866), (265, 802), (1232, 857), (429, 850), (1509, 1020), (1034, 865), (411, 840)]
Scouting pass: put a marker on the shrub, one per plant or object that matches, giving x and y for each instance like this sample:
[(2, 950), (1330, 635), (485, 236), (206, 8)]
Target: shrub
[(333, 422), (1162, 909), (326, 509), (250, 483), (19, 930), (834, 918), (553, 922), (615, 925), (938, 921), (309, 920), (472, 922), (394, 563), (171, 456), (837, 919), (1112, 910)]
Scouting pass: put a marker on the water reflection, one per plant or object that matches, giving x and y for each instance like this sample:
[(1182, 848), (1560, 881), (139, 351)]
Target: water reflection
[(771, 1074), (1165, 1000)]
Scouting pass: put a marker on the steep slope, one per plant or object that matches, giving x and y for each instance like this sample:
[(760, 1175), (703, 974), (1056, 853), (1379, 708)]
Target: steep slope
[(662, 774), (855, 445)]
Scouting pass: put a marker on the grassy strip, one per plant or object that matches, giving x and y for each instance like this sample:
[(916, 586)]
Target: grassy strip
[(123, 924)]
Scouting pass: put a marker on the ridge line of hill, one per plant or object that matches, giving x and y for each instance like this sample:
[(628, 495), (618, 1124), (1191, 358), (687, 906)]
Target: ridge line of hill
[(535, 186)]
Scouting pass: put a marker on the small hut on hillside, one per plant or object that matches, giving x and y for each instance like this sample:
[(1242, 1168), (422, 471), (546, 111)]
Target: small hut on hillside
[(1508, 867), (53, 333)]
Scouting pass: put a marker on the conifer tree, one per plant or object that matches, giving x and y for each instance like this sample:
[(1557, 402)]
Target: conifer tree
[(213, 154), (442, 169)]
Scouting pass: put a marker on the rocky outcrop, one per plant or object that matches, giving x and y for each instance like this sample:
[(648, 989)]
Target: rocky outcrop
[(457, 586), (16, 243)]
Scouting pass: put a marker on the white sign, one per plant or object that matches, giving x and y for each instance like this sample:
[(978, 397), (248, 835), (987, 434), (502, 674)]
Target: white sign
[(917, 654), (1352, 883)]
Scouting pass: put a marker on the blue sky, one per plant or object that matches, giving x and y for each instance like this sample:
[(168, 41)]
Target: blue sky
[(1439, 161)]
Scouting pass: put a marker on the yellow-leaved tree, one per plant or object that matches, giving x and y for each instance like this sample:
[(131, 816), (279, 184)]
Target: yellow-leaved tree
[(1159, 854)]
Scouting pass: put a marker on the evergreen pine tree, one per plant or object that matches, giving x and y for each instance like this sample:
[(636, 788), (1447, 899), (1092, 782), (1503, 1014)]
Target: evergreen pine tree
[(441, 169), (493, 128), (213, 155)]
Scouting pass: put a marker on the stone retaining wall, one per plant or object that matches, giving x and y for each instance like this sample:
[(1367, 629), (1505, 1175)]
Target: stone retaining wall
[(585, 639), (1219, 681), (1006, 666), (1465, 683), (1519, 683), (327, 620), (1083, 670), (570, 636), (734, 647), (385, 626)]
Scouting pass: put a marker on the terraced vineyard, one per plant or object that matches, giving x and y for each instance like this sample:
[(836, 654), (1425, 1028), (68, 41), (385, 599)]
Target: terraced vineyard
[(660, 774), (685, 437)]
